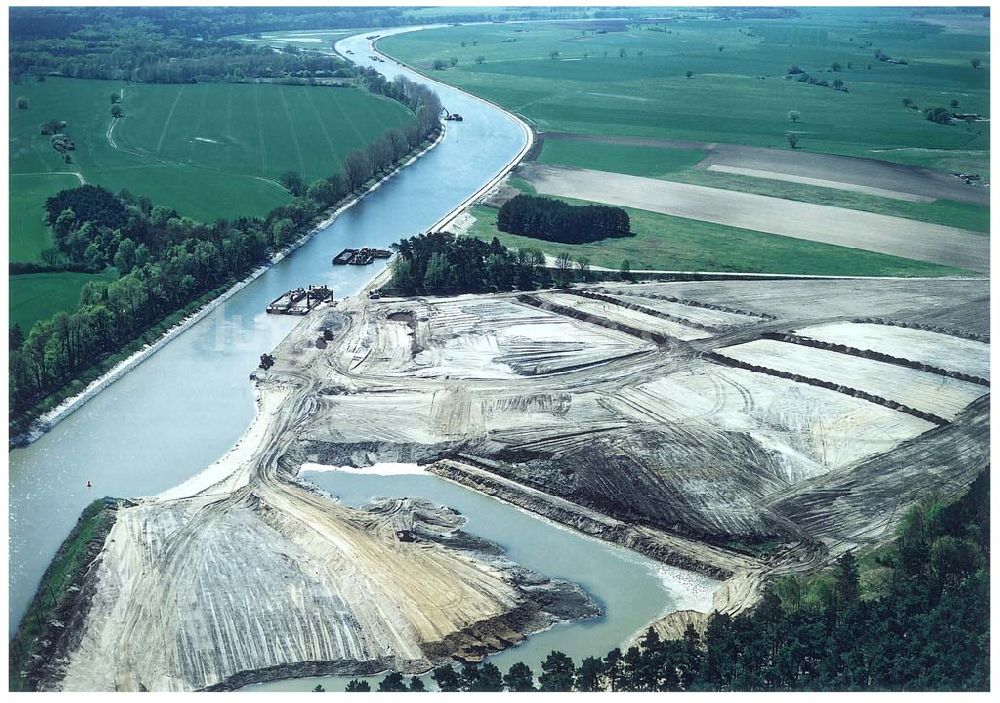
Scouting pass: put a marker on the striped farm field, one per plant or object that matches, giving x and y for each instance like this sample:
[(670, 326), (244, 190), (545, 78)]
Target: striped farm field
[(927, 392), (207, 150)]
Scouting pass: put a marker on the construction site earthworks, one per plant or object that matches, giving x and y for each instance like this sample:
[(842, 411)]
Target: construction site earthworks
[(742, 429)]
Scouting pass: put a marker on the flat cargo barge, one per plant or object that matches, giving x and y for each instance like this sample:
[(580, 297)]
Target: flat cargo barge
[(299, 301), (360, 257)]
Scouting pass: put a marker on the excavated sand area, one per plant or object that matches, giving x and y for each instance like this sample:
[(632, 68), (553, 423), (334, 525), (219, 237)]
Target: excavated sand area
[(910, 239), (629, 412)]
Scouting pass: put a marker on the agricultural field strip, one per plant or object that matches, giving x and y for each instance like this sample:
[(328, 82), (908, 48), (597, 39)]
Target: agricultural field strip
[(618, 313), (932, 348), (896, 236), (930, 393), (820, 182)]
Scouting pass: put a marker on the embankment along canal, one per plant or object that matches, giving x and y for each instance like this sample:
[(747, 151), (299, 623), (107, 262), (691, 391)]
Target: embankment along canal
[(186, 405)]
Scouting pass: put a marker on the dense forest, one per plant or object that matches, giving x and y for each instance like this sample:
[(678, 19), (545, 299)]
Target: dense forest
[(910, 616), (557, 221), (440, 263), (166, 261)]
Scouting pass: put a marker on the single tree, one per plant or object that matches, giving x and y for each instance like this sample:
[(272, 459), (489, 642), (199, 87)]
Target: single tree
[(392, 683), (689, 74), (480, 60), (589, 675), (721, 47), (583, 266), (446, 678), (625, 270), (835, 67), (15, 337), (23, 103), (564, 265), (519, 679), (439, 64), (116, 98), (417, 685), (838, 84), (553, 55), (976, 63), (292, 182), (794, 116), (358, 686), (908, 102), (557, 673), (319, 688), (846, 571), (453, 61), (793, 139), (116, 111), (954, 104), (622, 53), (489, 680)]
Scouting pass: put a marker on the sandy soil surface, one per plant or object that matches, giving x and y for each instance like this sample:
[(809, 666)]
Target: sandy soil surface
[(928, 392), (845, 170), (940, 350), (819, 223), (653, 446)]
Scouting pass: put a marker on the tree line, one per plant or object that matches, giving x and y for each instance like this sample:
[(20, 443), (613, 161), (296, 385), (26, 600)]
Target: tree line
[(557, 221), (166, 261), (912, 615)]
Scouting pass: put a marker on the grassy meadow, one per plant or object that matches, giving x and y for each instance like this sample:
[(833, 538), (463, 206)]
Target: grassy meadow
[(738, 92), (208, 150), (37, 296), (662, 242)]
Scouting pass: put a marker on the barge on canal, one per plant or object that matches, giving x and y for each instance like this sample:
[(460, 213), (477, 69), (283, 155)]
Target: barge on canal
[(360, 257), (299, 301)]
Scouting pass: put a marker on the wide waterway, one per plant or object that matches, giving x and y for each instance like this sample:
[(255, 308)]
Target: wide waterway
[(182, 408)]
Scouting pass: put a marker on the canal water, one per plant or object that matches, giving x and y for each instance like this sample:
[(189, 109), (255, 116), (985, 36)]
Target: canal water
[(186, 405), (632, 590)]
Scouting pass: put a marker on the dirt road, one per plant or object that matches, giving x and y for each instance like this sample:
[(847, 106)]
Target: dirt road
[(819, 223)]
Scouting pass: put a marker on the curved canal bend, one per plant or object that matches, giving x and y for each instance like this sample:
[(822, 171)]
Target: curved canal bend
[(185, 406)]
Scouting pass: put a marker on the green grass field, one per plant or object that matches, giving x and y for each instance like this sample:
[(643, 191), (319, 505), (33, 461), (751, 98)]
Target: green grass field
[(208, 150), (36, 296), (29, 235), (669, 243), (738, 94), (620, 158)]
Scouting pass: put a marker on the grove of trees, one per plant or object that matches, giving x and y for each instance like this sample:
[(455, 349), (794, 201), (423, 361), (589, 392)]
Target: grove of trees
[(440, 263), (557, 221)]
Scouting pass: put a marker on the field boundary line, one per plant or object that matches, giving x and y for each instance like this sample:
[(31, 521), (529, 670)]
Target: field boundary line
[(291, 130), (78, 175), (170, 115)]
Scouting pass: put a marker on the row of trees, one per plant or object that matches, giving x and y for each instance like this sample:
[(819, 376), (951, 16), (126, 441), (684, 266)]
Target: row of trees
[(556, 221), (440, 263), (914, 618), (166, 261)]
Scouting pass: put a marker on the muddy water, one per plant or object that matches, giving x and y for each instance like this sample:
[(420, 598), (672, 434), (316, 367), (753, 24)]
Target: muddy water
[(632, 589), (187, 404)]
